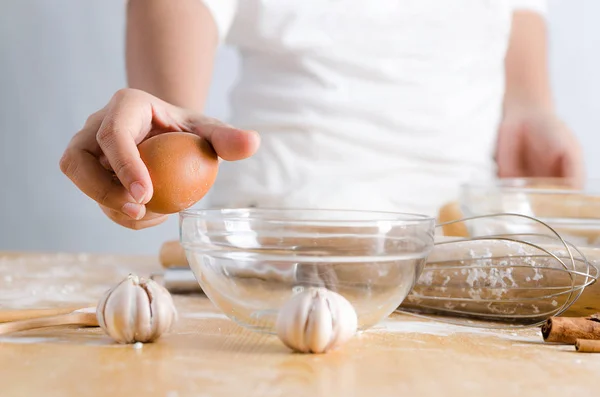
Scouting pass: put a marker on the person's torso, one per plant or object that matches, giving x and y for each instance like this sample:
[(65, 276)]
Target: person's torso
[(365, 104)]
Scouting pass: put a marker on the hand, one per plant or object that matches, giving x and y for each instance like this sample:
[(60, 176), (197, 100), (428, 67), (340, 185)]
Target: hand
[(103, 161), (533, 143)]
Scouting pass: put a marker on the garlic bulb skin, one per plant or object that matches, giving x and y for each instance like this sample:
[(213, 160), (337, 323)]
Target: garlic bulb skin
[(316, 320), (136, 310)]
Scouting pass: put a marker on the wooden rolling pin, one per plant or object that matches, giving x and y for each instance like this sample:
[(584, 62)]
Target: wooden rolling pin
[(171, 254), (448, 213)]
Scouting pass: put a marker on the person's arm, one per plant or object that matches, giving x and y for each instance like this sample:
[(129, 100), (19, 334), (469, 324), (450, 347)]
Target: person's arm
[(526, 63), (532, 140), (170, 50)]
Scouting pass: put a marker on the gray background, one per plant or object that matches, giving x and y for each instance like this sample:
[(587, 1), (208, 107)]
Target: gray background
[(61, 60)]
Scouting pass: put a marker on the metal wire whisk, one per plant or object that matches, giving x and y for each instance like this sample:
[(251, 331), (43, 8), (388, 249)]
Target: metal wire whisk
[(500, 280)]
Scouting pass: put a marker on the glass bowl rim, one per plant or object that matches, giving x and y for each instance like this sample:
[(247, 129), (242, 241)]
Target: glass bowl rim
[(398, 218), (532, 185)]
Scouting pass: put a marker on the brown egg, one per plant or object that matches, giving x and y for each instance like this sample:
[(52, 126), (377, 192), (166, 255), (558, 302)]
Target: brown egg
[(183, 168)]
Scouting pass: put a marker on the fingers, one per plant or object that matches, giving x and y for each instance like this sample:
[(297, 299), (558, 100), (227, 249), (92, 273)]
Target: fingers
[(508, 154), (80, 164), (573, 166), (123, 220), (567, 154), (103, 160), (128, 120), (91, 178), (542, 148), (229, 142)]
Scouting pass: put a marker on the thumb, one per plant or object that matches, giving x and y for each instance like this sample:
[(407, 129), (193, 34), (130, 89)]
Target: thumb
[(229, 142)]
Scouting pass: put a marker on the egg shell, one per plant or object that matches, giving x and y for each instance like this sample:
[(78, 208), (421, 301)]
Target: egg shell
[(182, 166)]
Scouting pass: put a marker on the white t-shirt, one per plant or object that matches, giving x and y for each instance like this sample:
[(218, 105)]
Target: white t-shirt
[(381, 105)]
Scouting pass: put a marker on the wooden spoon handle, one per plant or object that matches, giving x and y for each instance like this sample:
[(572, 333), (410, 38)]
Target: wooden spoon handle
[(26, 314), (82, 319)]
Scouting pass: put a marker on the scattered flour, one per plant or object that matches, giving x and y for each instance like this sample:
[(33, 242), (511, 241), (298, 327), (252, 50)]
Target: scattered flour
[(443, 329), (57, 279), (26, 340), (426, 278), (205, 315)]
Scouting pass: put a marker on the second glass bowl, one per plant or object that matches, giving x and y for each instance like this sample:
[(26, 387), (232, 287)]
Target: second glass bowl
[(571, 209)]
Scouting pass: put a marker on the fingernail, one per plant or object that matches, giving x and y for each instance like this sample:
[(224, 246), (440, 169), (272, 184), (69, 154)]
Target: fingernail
[(133, 210), (137, 192)]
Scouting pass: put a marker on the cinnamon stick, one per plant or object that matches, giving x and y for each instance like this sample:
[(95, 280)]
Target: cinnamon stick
[(587, 346), (568, 329)]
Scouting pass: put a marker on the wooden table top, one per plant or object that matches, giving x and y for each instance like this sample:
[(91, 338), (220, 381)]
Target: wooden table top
[(209, 355)]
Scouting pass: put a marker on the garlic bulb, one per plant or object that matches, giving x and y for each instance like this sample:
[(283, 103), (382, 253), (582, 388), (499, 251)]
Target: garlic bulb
[(136, 310), (316, 320)]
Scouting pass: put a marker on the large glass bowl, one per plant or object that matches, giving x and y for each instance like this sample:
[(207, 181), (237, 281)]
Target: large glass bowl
[(572, 209), (250, 261)]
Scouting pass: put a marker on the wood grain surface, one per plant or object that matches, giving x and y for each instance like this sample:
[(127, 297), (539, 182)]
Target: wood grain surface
[(209, 355)]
